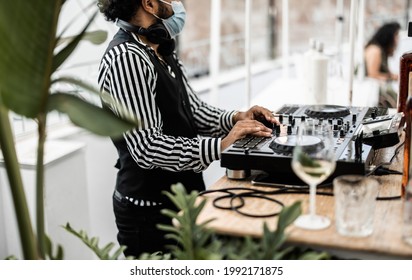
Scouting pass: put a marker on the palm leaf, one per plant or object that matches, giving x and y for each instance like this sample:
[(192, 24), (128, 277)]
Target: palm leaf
[(26, 62), (288, 215), (97, 120), (93, 244), (95, 37)]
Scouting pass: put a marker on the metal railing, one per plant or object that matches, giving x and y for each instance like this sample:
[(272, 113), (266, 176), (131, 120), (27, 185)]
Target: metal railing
[(196, 54)]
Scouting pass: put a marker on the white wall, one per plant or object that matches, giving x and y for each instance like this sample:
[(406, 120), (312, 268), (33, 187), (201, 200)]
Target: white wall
[(65, 200), (3, 243), (100, 158)]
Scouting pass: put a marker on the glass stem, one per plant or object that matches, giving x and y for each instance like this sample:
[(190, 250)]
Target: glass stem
[(312, 200)]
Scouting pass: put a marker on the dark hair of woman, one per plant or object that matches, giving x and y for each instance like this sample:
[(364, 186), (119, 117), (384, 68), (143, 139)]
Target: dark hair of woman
[(122, 9), (385, 37)]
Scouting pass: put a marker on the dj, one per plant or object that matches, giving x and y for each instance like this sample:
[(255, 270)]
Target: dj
[(178, 135)]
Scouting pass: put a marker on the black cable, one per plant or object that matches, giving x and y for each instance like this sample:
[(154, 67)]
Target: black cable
[(396, 152), (229, 195), (254, 193), (259, 194), (386, 198), (231, 207), (372, 172), (239, 198), (381, 171), (259, 197), (386, 171)]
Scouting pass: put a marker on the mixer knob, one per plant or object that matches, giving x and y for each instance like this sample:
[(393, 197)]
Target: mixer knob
[(290, 118), (376, 132), (347, 126), (354, 116), (277, 129), (289, 129), (281, 118), (342, 133), (373, 113), (303, 118)]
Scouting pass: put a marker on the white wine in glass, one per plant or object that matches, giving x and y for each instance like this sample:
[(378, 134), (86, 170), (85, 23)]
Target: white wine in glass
[(313, 162)]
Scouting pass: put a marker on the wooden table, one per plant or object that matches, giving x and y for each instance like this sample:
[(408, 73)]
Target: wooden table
[(385, 242)]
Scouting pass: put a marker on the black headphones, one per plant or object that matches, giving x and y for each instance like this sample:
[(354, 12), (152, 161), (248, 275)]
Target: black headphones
[(156, 33)]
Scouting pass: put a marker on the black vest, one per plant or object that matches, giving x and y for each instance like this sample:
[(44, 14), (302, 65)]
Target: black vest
[(173, 102)]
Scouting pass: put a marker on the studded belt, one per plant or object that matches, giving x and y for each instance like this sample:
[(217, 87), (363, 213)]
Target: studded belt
[(135, 201)]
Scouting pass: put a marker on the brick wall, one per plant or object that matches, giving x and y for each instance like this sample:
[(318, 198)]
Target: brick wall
[(308, 18)]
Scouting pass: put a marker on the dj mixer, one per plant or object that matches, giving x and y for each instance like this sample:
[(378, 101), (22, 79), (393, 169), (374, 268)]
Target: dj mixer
[(353, 155)]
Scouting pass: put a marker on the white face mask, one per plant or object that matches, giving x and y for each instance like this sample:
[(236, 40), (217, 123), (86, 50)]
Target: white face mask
[(175, 23)]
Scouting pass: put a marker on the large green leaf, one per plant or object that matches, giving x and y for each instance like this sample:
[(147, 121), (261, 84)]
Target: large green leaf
[(288, 215), (27, 32), (95, 37), (90, 117)]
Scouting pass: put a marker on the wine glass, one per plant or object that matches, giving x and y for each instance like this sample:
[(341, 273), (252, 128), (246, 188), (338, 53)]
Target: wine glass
[(313, 161)]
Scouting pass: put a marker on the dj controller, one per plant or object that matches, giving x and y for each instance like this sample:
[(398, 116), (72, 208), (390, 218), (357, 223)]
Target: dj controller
[(357, 131)]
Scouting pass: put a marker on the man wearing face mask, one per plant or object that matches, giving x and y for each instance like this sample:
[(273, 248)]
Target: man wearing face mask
[(178, 135)]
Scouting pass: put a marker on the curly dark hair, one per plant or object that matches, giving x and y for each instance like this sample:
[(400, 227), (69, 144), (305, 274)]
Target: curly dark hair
[(385, 36), (122, 9)]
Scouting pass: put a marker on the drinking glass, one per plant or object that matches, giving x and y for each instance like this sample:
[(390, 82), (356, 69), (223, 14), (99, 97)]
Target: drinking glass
[(313, 161), (355, 201)]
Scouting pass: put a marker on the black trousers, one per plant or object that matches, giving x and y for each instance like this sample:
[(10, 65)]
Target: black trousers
[(137, 228)]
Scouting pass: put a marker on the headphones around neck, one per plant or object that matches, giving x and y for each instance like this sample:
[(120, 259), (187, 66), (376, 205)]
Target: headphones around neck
[(156, 34)]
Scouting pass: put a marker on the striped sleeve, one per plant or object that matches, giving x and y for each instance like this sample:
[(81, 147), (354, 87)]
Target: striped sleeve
[(127, 74)]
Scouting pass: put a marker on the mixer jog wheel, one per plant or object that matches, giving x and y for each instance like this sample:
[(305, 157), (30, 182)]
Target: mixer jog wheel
[(327, 111), (285, 144)]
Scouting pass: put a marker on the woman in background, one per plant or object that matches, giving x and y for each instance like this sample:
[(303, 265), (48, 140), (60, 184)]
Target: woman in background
[(380, 47)]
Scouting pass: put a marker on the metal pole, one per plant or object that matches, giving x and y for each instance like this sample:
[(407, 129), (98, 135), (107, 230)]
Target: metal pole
[(272, 27), (339, 28), (352, 35), (361, 40), (248, 16), (285, 38), (214, 50)]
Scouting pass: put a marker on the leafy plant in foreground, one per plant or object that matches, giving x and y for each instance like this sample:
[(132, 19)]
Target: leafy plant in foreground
[(199, 242), (30, 57)]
